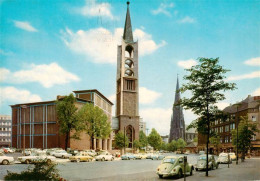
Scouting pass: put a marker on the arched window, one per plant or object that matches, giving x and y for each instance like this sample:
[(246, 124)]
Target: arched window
[(130, 133), (129, 51)]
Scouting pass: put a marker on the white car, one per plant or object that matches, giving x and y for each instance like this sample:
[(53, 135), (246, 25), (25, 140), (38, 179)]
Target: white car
[(36, 157), (61, 154), (5, 160), (9, 150), (223, 158), (105, 156)]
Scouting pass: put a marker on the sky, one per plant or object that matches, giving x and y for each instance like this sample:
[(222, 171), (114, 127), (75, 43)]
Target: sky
[(50, 48)]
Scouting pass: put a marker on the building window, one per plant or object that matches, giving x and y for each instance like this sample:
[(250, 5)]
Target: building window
[(230, 139), (130, 85), (226, 128), (253, 138), (253, 118)]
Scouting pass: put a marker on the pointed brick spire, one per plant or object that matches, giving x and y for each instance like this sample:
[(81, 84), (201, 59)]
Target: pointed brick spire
[(177, 94), (128, 35)]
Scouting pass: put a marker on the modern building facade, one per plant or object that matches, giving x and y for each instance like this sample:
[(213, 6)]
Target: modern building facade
[(248, 107), (190, 134), (127, 89), (142, 125), (5, 130), (177, 129), (35, 125)]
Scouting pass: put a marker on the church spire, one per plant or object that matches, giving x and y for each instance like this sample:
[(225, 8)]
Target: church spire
[(177, 93), (128, 35)]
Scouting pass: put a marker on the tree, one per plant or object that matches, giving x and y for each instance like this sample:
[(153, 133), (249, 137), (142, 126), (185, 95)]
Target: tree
[(66, 113), (121, 141), (154, 139), (94, 122), (172, 146), (181, 144), (215, 141), (206, 83), (246, 130), (137, 144), (143, 139)]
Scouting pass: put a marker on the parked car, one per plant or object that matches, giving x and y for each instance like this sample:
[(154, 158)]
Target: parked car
[(73, 152), (173, 166), (36, 157), (128, 156), (232, 156), (9, 150), (149, 155), (5, 160), (223, 158), (140, 156), (61, 154), (105, 156), (201, 162), (81, 157), (92, 152), (52, 151), (201, 152), (158, 157)]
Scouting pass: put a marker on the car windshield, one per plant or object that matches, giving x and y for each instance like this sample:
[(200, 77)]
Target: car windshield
[(169, 160), (202, 158), (223, 156)]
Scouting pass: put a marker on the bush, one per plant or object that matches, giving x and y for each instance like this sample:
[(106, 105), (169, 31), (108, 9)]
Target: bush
[(41, 171)]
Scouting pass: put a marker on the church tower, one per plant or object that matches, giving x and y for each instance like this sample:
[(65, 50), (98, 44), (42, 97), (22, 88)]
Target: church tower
[(127, 89), (177, 119)]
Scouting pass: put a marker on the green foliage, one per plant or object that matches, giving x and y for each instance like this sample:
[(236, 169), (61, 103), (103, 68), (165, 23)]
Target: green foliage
[(94, 121), (143, 139), (67, 119), (246, 130), (181, 144), (163, 146), (172, 146), (195, 139), (154, 139), (206, 83), (137, 144), (41, 171), (215, 141), (119, 140)]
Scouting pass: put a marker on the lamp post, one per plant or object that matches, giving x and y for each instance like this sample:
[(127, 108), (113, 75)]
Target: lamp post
[(24, 107), (237, 117)]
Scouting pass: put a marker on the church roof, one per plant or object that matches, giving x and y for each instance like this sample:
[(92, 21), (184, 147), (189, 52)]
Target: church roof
[(128, 35), (177, 93)]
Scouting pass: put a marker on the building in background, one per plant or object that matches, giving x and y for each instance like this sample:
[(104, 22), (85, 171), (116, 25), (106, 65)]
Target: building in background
[(165, 139), (127, 84), (177, 129), (35, 125), (190, 134), (5, 130), (142, 125), (248, 107)]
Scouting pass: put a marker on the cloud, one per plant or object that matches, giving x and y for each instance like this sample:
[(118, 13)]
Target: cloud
[(256, 92), (112, 98), (251, 75), (157, 118), (222, 105), (6, 53), (94, 9), (187, 19), (253, 61), (17, 95), (148, 96), (101, 44), (46, 75), (163, 9), (25, 26), (187, 63)]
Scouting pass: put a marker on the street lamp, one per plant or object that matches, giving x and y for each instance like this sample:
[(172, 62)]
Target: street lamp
[(24, 107), (237, 117)]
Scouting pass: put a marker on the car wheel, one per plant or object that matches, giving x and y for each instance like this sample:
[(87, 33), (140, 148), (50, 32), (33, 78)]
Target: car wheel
[(112, 159), (160, 176), (103, 159), (78, 160), (48, 161), (212, 167), (128, 158), (191, 171), (196, 169), (27, 161), (63, 156), (217, 166), (180, 173), (5, 162)]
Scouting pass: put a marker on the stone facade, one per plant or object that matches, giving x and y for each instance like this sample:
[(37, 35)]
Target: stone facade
[(127, 89)]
